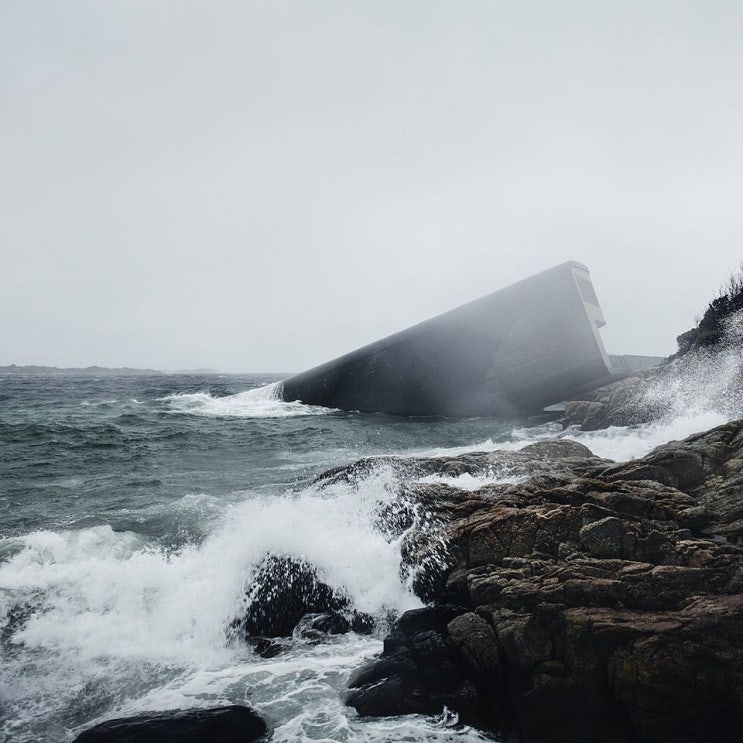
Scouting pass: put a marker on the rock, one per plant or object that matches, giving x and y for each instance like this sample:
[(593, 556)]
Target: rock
[(621, 403), (476, 644), (330, 623), (556, 449), (284, 590), (591, 601), (316, 627), (603, 538), (266, 647), (236, 724), (417, 672), (592, 415)]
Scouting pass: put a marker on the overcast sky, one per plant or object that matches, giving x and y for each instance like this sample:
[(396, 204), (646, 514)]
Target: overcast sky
[(261, 186)]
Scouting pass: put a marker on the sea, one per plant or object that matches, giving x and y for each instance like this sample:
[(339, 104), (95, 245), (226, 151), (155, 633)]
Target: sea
[(135, 510)]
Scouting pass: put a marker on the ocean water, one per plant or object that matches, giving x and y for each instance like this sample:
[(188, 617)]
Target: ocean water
[(134, 512)]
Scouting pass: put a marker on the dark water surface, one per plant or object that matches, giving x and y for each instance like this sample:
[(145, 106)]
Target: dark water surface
[(85, 451), (132, 512)]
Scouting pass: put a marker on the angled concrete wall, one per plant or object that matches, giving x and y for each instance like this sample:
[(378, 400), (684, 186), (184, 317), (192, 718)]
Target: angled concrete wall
[(517, 350)]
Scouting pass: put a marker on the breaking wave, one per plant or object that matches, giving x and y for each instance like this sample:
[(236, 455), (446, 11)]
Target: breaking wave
[(101, 610), (261, 402)]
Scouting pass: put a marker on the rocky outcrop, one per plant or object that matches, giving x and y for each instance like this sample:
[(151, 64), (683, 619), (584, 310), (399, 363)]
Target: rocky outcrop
[(287, 597), (621, 403), (591, 601), (285, 589), (707, 373), (233, 724)]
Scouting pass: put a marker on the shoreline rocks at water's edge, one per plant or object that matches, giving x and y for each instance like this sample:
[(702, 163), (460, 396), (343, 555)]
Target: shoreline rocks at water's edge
[(624, 402), (708, 360), (592, 601)]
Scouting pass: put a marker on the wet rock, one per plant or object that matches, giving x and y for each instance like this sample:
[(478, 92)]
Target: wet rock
[(621, 403), (591, 601), (477, 646), (418, 672), (603, 538), (284, 590), (329, 623), (266, 647), (233, 724), (317, 627), (557, 449)]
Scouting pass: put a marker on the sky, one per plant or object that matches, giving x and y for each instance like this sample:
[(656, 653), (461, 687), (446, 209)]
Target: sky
[(262, 186)]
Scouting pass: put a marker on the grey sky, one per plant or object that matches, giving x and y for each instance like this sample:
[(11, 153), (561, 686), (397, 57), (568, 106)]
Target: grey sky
[(260, 186)]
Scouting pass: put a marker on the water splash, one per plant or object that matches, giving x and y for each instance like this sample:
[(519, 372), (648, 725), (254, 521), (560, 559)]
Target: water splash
[(106, 610), (703, 381), (261, 402)]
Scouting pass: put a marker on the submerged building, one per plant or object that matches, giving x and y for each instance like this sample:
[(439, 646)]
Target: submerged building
[(522, 348)]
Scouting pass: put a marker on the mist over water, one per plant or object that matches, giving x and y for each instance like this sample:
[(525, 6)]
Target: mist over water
[(136, 512)]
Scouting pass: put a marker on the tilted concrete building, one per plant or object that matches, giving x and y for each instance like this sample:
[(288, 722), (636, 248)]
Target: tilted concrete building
[(515, 351)]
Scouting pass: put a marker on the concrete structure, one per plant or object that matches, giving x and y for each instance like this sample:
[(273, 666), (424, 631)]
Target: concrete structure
[(515, 351)]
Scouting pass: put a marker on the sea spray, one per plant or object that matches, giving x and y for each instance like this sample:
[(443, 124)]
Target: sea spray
[(689, 394), (704, 380), (112, 606), (261, 402)]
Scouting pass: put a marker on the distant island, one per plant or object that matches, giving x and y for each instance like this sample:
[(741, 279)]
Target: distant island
[(88, 371), (99, 371)]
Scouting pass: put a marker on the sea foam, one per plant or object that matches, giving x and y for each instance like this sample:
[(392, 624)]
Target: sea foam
[(110, 610), (260, 402)]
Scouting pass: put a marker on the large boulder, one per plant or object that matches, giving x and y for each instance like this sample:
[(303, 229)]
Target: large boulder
[(419, 671), (233, 724), (287, 598), (285, 589)]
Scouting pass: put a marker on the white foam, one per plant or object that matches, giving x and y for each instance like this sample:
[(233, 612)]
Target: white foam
[(108, 593), (260, 402), (108, 609), (622, 444), (518, 439), (467, 481), (705, 381), (697, 392)]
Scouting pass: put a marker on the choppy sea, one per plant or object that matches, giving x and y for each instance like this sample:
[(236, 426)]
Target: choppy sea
[(135, 510)]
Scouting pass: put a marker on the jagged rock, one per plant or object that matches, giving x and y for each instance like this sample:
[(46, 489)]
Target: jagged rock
[(603, 538), (233, 724), (418, 672), (316, 627), (592, 601), (266, 647), (287, 599), (284, 590)]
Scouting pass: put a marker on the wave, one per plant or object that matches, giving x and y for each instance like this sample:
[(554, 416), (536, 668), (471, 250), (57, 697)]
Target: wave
[(261, 402), (101, 609)]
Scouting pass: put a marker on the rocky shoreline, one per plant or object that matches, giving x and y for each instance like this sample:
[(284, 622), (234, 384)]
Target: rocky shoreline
[(591, 601), (573, 599)]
